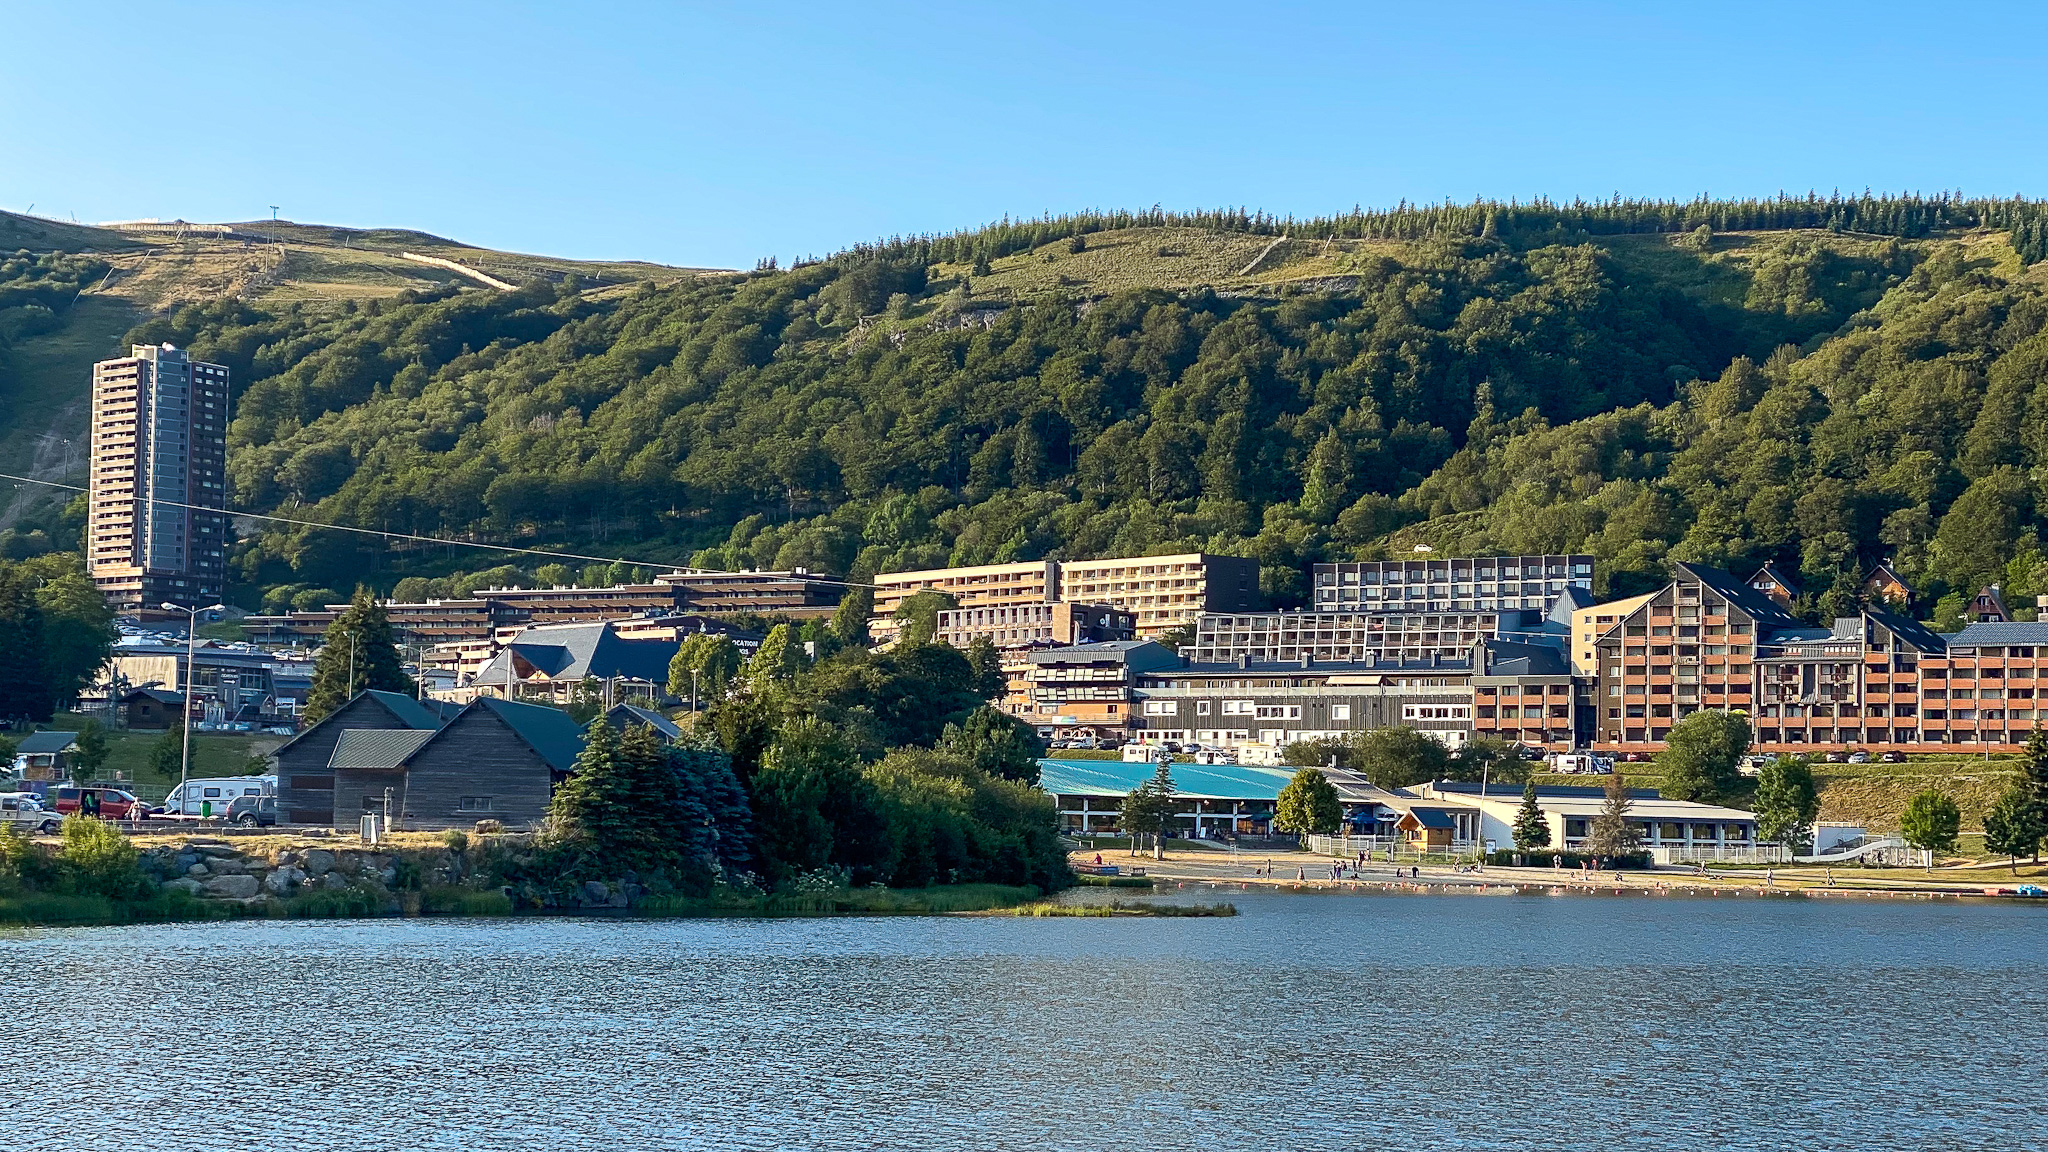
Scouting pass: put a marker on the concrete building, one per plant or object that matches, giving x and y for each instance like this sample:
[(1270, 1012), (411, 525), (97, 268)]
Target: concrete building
[(1089, 686), (1341, 637), (1161, 592), (1672, 831), (228, 683), (798, 592), (1691, 645), (1449, 584), (1593, 621), (1164, 592), (1272, 705), (1037, 625), (1525, 694), (1210, 800), (156, 527)]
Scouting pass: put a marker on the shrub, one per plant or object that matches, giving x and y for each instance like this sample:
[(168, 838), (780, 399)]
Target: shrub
[(489, 827), (99, 859), (449, 900), (457, 841), (1541, 858)]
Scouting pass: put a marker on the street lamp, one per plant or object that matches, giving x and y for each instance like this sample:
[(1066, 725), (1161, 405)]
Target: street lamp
[(191, 641)]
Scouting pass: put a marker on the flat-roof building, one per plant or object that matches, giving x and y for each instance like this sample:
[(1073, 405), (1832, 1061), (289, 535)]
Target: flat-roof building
[(156, 527), (1452, 583)]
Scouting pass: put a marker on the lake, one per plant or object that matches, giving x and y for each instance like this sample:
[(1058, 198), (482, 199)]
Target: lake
[(1338, 1021)]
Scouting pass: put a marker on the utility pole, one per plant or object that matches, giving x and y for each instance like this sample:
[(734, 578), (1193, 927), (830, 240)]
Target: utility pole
[(185, 700)]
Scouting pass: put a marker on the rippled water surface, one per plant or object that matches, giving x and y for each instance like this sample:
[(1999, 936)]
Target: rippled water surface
[(1324, 1021)]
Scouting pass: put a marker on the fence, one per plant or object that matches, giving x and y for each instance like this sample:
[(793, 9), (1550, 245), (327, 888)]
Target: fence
[(1384, 847), (1721, 854)]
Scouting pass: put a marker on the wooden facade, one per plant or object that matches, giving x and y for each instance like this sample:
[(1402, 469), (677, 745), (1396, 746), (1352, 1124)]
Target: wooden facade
[(494, 761), (305, 781)]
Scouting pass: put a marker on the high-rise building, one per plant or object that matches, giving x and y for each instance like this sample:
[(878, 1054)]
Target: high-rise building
[(156, 528)]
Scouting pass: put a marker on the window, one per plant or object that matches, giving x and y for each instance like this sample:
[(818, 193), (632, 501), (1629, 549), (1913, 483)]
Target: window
[(1340, 711), (1237, 708), (1161, 707), (1201, 707), (473, 804)]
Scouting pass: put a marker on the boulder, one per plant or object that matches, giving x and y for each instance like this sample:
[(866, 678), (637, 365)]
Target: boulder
[(333, 881), (319, 862), (282, 857), (223, 865), (387, 875), (239, 887), (186, 884), (215, 850), (618, 900), (595, 892), (282, 880), (198, 870)]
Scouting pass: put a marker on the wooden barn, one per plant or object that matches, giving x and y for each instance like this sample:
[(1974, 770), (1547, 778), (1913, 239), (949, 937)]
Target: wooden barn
[(496, 760), (305, 768)]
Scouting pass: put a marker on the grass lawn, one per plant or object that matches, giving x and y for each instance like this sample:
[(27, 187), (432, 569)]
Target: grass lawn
[(213, 754)]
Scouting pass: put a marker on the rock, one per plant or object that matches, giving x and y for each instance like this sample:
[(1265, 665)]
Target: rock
[(232, 887), (595, 892), (187, 885), (224, 865), (387, 875), (281, 881), (333, 881), (213, 850), (185, 860), (319, 862), (283, 856), (198, 871), (617, 900)]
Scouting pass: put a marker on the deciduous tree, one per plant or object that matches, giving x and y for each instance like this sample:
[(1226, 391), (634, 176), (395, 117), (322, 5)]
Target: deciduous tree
[(1308, 805)]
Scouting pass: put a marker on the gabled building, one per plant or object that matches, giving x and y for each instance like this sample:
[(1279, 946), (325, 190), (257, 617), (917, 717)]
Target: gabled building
[(1690, 645), (496, 760), (305, 764), (1988, 607), (1771, 581), (553, 660), (1854, 684), (623, 717), (1886, 586)]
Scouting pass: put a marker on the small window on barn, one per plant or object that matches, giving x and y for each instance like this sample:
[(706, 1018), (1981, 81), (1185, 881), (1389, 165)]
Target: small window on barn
[(474, 804)]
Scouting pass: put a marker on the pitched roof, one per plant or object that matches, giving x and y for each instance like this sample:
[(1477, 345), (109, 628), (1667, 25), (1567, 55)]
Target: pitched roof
[(1912, 631), (1570, 600), (1771, 572), (377, 749), (1142, 655), (408, 712), (1737, 592), (624, 716), (1505, 658), (1999, 633), (159, 695), (48, 742), (574, 651), (551, 732)]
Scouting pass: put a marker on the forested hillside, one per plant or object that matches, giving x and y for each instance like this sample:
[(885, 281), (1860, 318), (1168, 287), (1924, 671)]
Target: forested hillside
[(1827, 382)]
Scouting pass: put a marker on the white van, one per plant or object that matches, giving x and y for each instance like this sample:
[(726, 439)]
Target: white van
[(211, 795)]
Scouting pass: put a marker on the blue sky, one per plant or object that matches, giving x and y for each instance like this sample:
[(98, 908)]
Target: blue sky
[(708, 135)]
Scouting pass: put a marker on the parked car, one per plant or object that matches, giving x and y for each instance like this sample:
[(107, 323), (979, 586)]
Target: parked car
[(1892, 757), (1859, 757), (22, 810), (253, 811), (1837, 756), (110, 803)]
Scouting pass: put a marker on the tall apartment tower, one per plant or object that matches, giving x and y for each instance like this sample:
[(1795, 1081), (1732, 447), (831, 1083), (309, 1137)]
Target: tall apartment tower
[(156, 530)]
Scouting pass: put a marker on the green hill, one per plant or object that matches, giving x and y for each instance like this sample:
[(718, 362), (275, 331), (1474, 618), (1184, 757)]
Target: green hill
[(1823, 382), (49, 338)]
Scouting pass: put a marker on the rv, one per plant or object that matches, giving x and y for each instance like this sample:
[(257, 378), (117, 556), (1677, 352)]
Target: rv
[(210, 796)]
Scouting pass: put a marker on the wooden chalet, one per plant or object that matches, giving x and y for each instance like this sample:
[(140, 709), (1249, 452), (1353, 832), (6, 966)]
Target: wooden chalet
[(305, 769), (495, 760)]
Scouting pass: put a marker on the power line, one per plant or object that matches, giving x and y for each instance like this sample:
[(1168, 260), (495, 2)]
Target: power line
[(418, 539)]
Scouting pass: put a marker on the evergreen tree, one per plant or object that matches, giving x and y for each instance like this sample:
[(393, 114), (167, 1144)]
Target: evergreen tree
[(593, 809), (2012, 826), (990, 683), (1531, 829), (92, 751), (167, 754), (1787, 803), (1148, 809), (1612, 834), (25, 690), (850, 619), (364, 630), (2034, 771), (1308, 805)]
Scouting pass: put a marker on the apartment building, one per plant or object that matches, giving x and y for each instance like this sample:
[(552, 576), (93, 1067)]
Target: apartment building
[(1450, 584), (1353, 636), (480, 615), (1690, 645), (1164, 592), (156, 525), (1161, 592), (798, 592), (1592, 622), (1526, 694), (1089, 686), (1276, 703), (1039, 625)]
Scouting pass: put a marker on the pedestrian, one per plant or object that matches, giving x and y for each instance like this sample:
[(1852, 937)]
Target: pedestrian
[(1300, 872), (1556, 863), (1098, 858)]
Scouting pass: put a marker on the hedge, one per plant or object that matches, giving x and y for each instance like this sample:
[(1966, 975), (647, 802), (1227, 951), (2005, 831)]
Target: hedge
[(1541, 858)]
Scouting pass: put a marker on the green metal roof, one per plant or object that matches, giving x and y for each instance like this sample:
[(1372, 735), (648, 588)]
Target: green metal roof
[(549, 731), (1195, 781), (376, 749)]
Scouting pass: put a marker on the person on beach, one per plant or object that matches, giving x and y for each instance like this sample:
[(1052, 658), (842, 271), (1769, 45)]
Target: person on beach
[(1300, 872)]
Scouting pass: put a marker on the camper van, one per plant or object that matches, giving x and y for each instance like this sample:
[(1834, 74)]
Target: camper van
[(210, 796), (1580, 764)]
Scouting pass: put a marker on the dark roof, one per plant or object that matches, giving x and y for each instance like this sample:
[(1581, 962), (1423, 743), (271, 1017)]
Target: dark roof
[(157, 694), (551, 732), (624, 716), (574, 651), (1431, 817), (1568, 601), (407, 711), (48, 742), (1738, 592), (1770, 571), (1505, 658), (1142, 655), (376, 749), (1912, 631), (1998, 634)]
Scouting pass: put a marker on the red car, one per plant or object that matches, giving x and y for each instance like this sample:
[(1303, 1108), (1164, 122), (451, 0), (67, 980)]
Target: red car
[(113, 804)]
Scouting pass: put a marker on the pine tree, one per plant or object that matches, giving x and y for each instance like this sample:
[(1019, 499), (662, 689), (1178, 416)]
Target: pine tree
[(850, 619), (1148, 809), (1531, 829), (364, 630), (594, 809), (1612, 834)]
